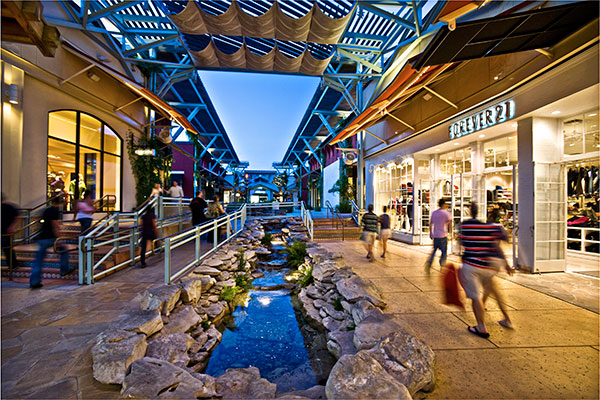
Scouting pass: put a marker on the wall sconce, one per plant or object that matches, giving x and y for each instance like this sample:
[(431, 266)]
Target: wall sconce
[(12, 93)]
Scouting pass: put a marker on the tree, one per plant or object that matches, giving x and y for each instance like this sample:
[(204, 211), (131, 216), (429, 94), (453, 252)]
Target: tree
[(281, 181), (346, 191)]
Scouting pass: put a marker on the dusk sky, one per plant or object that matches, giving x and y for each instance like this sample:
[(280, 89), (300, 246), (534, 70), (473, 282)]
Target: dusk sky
[(260, 112)]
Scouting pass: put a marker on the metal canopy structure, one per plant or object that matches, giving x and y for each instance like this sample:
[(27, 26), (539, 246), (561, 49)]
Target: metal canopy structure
[(346, 43)]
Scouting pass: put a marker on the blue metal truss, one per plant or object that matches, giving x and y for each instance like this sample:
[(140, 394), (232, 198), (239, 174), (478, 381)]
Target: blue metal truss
[(139, 31)]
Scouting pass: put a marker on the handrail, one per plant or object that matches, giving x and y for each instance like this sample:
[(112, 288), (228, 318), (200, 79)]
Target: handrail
[(100, 203), (50, 200), (307, 219), (357, 212)]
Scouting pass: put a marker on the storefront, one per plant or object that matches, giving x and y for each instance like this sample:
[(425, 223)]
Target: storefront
[(529, 158)]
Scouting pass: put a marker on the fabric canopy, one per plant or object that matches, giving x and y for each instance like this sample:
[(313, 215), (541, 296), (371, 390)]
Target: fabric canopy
[(315, 26)]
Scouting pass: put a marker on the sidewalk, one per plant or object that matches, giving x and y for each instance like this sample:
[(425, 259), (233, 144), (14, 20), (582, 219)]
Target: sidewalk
[(552, 354)]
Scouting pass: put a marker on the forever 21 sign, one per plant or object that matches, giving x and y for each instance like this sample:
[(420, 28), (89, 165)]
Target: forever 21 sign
[(491, 116)]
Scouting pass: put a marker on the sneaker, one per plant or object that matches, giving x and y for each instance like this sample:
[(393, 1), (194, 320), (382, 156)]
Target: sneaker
[(36, 286), (143, 266), (383, 256)]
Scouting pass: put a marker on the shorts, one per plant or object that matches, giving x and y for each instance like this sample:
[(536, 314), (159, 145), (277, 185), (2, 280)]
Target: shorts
[(475, 280), (369, 237), (385, 234)]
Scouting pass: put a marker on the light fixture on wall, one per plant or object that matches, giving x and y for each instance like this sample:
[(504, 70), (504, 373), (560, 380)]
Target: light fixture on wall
[(12, 93)]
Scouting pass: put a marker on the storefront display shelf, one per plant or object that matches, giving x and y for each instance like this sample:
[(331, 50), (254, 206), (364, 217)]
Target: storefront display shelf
[(581, 244)]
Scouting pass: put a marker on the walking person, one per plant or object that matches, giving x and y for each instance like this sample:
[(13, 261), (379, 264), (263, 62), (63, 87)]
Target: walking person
[(198, 206), (385, 233), (175, 190), (149, 233), (157, 190), (439, 226), (9, 222), (481, 263), (370, 225), (49, 232), (215, 210), (85, 211)]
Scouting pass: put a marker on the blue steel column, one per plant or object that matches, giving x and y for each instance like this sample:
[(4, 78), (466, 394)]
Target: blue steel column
[(360, 167)]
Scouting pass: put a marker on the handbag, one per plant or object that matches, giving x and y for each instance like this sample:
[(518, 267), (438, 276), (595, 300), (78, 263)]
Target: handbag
[(452, 294)]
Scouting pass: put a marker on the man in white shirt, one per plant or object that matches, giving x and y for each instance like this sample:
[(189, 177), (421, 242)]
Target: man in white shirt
[(175, 190)]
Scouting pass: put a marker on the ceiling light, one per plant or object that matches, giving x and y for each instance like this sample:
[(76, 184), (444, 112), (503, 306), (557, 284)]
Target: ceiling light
[(427, 97), (555, 112), (515, 125), (53, 156), (592, 115), (437, 149), (456, 143), (572, 144), (93, 76), (482, 135)]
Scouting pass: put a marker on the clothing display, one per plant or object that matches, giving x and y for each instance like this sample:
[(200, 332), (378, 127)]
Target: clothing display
[(583, 232)]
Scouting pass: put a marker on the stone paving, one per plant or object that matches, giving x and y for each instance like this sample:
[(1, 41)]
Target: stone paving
[(552, 353), (47, 334)]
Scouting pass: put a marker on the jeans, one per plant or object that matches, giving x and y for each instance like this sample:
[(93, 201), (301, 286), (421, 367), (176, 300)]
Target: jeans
[(442, 244), (85, 224), (36, 272), (144, 245)]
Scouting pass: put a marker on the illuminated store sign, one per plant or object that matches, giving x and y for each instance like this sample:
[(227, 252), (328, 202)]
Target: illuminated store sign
[(491, 116), (145, 152)]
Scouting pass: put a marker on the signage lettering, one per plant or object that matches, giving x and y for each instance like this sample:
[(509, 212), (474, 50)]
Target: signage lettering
[(491, 116), (145, 152)]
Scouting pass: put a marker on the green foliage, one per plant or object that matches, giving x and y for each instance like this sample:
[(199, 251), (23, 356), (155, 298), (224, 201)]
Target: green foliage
[(351, 327), (241, 259), (147, 169), (228, 293), (266, 240), (306, 278), (344, 206), (205, 324), (296, 253), (342, 186), (281, 181), (243, 282), (337, 304)]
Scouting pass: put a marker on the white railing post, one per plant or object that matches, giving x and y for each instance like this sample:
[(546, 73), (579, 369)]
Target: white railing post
[(179, 209), (132, 245), (81, 259), (167, 261), (160, 214), (198, 243), (89, 243), (215, 234), (228, 226)]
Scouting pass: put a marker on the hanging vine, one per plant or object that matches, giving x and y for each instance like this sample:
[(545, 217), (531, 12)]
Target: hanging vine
[(147, 170)]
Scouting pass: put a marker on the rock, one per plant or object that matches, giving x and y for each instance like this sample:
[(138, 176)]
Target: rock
[(207, 270), (250, 254), (115, 350), (355, 289), (161, 298), (362, 309), (213, 298), (172, 348), (182, 320), (244, 383), (207, 282), (360, 376), (342, 273), (151, 378), (315, 392), (216, 312), (323, 271), (346, 306), (209, 345), (285, 230), (310, 312), (191, 290), (147, 322), (339, 343), (408, 359), (335, 314), (313, 292), (373, 328), (211, 262), (213, 332), (333, 324), (262, 251), (318, 303)]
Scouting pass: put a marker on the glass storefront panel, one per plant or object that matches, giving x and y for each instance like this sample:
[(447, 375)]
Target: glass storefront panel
[(581, 133), (112, 180), (112, 143), (90, 133), (63, 125), (502, 152), (394, 189), (89, 172), (61, 166)]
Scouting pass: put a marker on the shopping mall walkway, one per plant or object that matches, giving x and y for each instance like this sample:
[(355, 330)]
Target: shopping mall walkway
[(552, 354)]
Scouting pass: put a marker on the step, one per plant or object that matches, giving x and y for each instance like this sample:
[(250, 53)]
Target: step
[(48, 272)]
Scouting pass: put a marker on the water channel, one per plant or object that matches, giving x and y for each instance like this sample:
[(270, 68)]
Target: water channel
[(267, 332)]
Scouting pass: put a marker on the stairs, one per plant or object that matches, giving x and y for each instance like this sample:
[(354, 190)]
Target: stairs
[(326, 229)]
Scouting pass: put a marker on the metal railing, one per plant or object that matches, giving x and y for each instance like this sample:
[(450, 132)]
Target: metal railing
[(357, 212), (232, 224), (307, 219), (335, 215)]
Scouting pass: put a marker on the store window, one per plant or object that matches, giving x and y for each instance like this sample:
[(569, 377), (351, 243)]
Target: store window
[(83, 154), (394, 189), (455, 162), (501, 152), (580, 133)]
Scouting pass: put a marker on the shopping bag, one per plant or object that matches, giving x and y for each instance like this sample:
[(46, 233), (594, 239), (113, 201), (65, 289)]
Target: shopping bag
[(452, 293)]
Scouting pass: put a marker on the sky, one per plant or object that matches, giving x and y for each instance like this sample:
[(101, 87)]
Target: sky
[(260, 112)]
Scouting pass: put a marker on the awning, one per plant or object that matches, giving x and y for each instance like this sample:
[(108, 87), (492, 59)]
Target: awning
[(528, 30), (407, 82), (162, 107)]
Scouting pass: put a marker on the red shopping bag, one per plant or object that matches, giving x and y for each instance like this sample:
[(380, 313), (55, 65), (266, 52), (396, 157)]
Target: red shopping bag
[(452, 294)]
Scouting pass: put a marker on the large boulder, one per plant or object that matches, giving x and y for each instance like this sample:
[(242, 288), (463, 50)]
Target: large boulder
[(408, 359), (339, 343), (360, 376), (182, 320), (375, 327), (207, 282), (191, 290), (362, 309), (217, 311), (151, 378), (172, 348), (213, 262), (115, 350), (162, 298), (147, 322), (244, 383), (355, 289), (207, 270)]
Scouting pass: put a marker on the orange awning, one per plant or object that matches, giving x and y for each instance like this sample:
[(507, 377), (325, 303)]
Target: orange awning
[(406, 83), (161, 106)]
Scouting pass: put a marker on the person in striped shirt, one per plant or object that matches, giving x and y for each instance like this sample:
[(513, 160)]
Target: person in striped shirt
[(370, 224), (482, 260)]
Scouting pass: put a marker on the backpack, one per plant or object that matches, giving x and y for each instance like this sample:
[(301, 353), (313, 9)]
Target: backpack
[(213, 210)]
